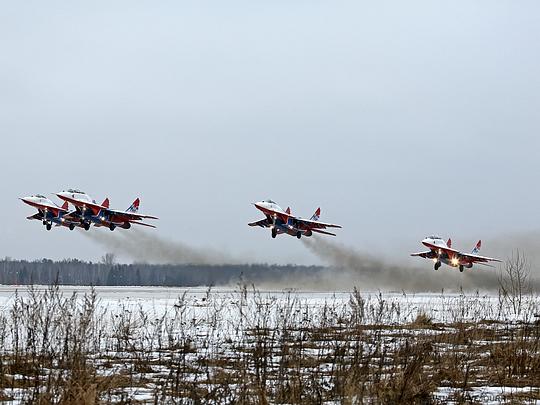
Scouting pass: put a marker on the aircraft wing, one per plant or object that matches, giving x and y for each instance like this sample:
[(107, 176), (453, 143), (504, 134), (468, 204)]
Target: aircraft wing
[(485, 264), (425, 255), (142, 223), (130, 216), (307, 223), (38, 216), (263, 223), (323, 232), (477, 258)]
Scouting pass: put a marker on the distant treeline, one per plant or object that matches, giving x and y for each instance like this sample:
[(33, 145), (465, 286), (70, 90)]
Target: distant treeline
[(76, 272)]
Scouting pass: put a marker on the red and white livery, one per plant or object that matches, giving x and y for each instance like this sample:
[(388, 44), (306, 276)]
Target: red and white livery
[(442, 252), (88, 211), (280, 221), (49, 213)]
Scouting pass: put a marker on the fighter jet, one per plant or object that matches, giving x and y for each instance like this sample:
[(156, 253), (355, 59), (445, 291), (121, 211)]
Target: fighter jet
[(87, 212), (49, 212), (280, 221), (442, 252)]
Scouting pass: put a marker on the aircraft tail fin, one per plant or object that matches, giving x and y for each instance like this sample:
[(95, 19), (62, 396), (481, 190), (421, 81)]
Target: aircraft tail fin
[(65, 206), (316, 215), (477, 247), (105, 203), (288, 210), (135, 206), (449, 243)]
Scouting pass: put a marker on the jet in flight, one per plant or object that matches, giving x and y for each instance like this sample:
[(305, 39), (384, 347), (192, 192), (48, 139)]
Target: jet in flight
[(280, 221), (442, 252), (87, 212), (49, 213)]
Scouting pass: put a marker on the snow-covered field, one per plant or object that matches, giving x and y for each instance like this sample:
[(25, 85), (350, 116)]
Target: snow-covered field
[(441, 307), (240, 344)]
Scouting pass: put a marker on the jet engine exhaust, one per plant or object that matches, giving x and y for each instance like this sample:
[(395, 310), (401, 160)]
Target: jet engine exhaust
[(144, 247)]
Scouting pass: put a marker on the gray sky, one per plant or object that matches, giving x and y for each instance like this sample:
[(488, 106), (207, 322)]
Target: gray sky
[(399, 119)]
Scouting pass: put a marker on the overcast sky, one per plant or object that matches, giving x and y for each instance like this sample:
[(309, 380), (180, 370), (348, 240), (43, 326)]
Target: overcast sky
[(400, 119)]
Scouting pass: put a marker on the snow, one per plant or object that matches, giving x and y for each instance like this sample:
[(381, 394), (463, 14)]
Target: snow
[(214, 322)]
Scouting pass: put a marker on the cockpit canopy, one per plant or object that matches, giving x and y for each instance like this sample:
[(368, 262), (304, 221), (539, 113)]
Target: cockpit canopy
[(269, 201), (40, 196), (75, 191), (433, 237)]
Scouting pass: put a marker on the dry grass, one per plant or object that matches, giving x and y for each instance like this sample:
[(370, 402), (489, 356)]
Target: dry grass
[(70, 350)]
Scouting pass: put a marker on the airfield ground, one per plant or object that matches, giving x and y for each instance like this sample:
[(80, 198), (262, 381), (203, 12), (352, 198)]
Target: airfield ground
[(163, 345)]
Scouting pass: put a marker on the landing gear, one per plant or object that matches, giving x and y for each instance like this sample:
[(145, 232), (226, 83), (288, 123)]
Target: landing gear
[(71, 227), (437, 265), (44, 222), (86, 226), (112, 226), (461, 268), (298, 235), (48, 226), (274, 232)]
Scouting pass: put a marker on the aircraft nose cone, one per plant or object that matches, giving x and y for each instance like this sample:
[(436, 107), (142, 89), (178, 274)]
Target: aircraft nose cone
[(27, 200)]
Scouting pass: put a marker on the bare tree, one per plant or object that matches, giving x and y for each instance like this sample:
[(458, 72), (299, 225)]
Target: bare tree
[(109, 259), (515, 281)]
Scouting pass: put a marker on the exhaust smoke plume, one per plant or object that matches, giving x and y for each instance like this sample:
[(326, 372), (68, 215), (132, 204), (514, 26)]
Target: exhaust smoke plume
[(527, 243), (144, 247), (347, 266), (368, 272)]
